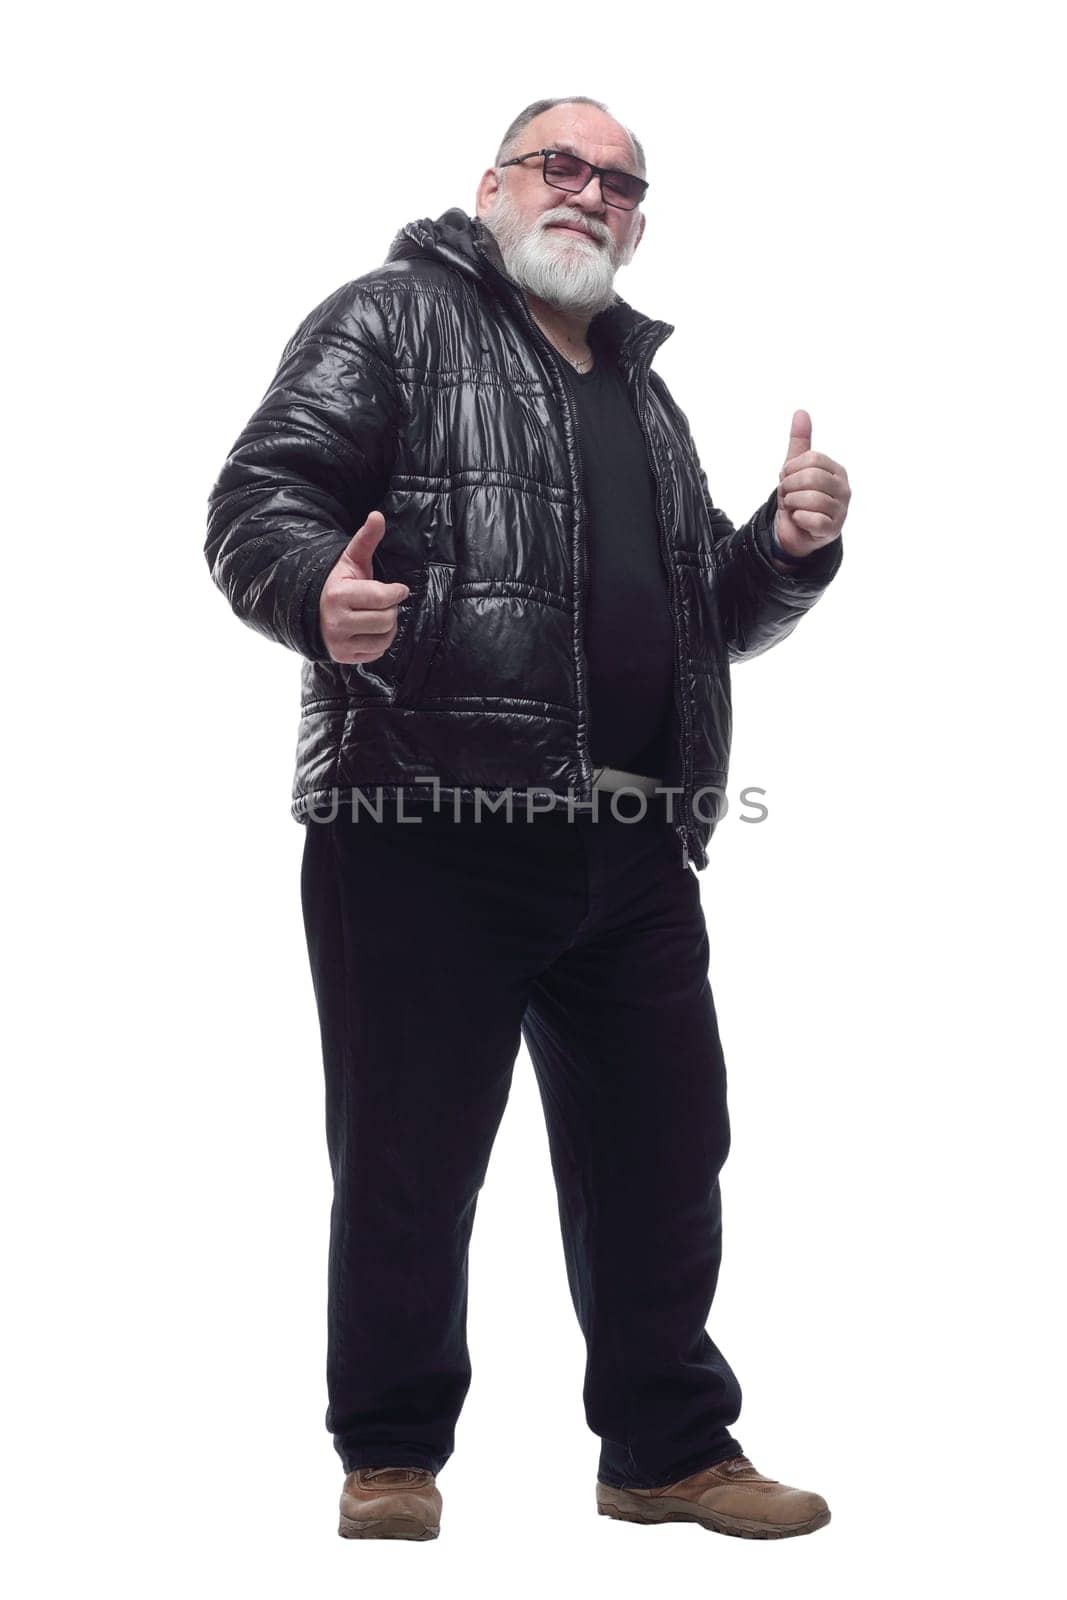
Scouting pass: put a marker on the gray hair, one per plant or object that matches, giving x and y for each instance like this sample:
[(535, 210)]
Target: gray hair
[(507, 144)]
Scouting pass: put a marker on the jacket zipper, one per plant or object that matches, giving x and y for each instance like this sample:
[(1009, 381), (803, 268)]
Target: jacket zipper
[(680, 698), (584, 761), (585, 765)]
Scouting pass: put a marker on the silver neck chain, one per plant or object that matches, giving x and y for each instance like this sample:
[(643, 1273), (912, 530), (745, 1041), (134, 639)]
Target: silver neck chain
[(577, 365)]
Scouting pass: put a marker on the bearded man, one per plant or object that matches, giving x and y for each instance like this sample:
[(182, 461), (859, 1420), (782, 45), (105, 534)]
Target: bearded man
[(475, 511)]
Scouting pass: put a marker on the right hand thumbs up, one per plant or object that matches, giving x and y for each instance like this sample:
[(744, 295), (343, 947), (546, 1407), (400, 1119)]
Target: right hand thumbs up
[(357, 613)]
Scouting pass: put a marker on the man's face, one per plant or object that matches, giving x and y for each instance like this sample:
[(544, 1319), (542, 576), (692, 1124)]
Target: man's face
[(563, 247)]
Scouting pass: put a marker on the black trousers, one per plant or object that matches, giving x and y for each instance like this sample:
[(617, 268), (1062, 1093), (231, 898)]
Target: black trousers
[(435, 946)]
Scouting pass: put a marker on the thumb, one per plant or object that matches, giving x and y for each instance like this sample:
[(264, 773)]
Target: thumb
[(799, 435), (363, 543)]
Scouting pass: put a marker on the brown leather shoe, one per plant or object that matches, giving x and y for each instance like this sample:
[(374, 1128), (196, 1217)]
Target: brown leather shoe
[(390, 1503), (731, 1497)]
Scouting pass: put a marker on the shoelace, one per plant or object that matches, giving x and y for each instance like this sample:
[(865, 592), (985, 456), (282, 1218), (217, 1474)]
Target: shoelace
[(738, 1467), (397, 1474)]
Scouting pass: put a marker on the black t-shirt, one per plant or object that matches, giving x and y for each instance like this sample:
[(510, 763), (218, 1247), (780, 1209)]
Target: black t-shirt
[(629, 639)]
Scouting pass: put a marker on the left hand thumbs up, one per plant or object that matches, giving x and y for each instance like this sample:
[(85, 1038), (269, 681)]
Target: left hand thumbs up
[(799, 436), (813, 494)]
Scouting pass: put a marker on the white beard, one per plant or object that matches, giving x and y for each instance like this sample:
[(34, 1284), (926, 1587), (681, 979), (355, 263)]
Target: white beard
[(559, 268)]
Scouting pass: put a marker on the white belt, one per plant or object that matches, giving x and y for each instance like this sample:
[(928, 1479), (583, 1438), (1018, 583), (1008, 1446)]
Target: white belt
[(612, 778), (608, 780)]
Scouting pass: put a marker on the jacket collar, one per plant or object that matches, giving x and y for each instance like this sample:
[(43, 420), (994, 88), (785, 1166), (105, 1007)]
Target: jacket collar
[(466, 244)]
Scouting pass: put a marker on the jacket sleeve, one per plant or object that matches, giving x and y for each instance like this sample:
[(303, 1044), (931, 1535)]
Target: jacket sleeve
[(758, 604), (311, 463)]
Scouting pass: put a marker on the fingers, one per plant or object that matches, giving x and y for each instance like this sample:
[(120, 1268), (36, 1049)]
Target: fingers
[(352, 653), (350, 603), (808, 500), (371, 623), (359, 617), (814, 522), (816, 497), (364, 593), (361, 644), (802, 467), (363, 543), (799, 435)]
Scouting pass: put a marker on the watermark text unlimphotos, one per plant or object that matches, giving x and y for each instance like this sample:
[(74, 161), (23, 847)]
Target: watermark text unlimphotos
[(626, 804)]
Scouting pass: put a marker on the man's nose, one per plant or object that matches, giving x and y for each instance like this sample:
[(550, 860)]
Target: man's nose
[(591, 198)]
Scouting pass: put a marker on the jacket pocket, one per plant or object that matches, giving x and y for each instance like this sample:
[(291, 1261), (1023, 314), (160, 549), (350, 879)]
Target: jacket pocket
[(425, 632)]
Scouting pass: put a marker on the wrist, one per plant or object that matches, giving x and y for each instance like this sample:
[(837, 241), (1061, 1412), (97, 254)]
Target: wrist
[(781, 557)]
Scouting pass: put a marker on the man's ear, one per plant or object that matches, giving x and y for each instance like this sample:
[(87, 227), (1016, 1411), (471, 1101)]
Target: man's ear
[(640, 230), (487, 191)]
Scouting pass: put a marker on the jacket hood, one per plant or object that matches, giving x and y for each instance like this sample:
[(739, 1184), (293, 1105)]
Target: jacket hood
[(466, 244)]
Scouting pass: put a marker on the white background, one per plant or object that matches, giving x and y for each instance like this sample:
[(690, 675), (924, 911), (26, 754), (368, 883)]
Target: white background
[(851, 210)]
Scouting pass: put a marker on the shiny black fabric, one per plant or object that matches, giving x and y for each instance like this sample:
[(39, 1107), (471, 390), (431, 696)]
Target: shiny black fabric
[(424, 389), (629, 630)]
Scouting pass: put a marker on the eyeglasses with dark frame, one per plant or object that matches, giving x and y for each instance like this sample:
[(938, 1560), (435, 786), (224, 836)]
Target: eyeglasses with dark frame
[(571, 174)]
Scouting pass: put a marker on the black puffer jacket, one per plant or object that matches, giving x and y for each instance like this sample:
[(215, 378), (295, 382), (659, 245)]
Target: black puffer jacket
[(425, 390)]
